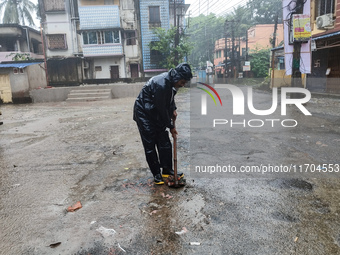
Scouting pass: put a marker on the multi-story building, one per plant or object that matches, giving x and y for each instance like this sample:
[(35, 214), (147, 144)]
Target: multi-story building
[(158, 13), (153, 13), (259, 37), (22, 64), (90, 41), (16, 39), (325, 22)]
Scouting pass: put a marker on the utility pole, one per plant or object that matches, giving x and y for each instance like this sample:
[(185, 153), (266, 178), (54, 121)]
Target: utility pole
[(225, 50), (233, 48), (247, 45), (174, 13), (176, 25), (296, 74), (273, 45), (239, 55)]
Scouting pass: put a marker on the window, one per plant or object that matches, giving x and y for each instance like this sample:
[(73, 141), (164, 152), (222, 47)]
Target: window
[(116, 38), (127, 4), (154, 16), (130, 38), (324, 7), (101, 37), (98, 68), (57, 42), (55, 5), (108, 37)]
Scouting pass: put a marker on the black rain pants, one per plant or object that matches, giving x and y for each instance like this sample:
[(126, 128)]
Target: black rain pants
[(157, 145)]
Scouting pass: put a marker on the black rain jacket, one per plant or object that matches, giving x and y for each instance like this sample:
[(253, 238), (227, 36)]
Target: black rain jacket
[(155, 103)]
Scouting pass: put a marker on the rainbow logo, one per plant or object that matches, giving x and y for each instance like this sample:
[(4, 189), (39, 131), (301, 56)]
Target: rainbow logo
[(209, 93)]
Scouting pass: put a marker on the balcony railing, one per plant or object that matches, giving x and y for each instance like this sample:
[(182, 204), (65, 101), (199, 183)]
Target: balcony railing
[(4, 55), (103, 50), (177, 1)]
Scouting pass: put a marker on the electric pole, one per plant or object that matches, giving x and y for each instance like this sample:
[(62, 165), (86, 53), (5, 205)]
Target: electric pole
[(273, 45), (233, 49), (296, 74), (225, 50), (177, 34)]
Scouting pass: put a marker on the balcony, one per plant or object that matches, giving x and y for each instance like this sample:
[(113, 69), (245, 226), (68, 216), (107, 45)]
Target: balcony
[(4, 55), (99, 17), (177, 1), (102, 50)]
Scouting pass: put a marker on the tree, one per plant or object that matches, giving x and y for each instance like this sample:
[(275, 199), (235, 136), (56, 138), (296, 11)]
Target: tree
[(264, 11), (260, 60), (165, 45), (17, 12)]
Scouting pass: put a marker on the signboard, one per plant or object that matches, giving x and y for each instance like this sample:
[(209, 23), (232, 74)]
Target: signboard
[(301, 27), (246, 68)]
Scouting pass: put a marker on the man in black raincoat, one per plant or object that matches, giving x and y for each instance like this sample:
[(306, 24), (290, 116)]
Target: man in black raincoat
[(154, 111)]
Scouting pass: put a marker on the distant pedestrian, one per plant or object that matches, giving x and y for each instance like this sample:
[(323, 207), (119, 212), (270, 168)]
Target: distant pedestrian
[(154, 112)]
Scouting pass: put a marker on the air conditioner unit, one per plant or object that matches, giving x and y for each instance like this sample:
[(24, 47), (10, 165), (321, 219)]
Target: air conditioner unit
[(324, 21)]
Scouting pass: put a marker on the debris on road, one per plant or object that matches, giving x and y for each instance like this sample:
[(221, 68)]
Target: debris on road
[(106, 232), (54, 245), (183, 231), (75, 207), (121, 248), (153, 212), (195, 243)]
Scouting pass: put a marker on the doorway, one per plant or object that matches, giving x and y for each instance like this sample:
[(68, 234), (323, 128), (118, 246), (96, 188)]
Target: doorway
[(134, 70), (114, 70)]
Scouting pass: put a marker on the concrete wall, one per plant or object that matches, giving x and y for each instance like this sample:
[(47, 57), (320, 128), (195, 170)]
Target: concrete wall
[(50, 94), (105, 63), (36, 76), (283, 80), (19, 84), (126, 90), (60, 94)]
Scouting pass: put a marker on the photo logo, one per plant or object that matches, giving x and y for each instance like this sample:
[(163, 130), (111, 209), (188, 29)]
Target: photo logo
[(204, 97), (239, 99)]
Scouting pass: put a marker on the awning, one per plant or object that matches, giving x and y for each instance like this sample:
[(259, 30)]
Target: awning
[(326, 36), (19, 65), (277, 48)]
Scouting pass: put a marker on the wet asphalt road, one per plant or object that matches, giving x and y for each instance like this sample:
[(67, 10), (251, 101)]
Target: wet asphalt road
[(55, 154)]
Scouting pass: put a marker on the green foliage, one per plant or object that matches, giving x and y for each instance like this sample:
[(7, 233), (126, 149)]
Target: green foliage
[(17, 12), (264, 11), (259, 62), (20, 56), (166, 46)]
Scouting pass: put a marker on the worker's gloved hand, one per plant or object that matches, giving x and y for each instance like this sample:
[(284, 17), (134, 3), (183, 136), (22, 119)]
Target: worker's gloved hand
[(173, 132)]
